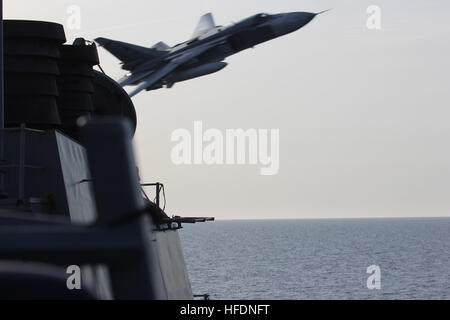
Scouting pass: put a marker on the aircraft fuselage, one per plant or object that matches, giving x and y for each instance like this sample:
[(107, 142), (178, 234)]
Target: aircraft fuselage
[(199, 56)]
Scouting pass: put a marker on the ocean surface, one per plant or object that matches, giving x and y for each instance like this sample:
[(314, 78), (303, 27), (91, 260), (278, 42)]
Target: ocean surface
[(319, 259)]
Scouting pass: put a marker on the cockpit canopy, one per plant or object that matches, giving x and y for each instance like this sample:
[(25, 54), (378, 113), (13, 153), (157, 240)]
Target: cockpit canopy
[(261, 18)]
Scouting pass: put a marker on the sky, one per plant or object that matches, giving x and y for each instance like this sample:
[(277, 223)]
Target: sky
[(363, 115)]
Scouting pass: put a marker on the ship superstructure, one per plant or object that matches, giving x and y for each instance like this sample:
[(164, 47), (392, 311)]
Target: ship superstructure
[(70, 191)]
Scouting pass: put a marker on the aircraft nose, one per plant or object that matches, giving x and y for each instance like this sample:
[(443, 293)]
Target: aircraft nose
[(300, 19), (290, 22)]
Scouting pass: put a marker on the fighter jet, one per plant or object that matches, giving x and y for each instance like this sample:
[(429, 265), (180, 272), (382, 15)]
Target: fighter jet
[(163, 66)]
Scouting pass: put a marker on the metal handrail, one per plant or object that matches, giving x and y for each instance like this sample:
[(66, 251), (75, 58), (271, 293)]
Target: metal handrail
[(159, 187)]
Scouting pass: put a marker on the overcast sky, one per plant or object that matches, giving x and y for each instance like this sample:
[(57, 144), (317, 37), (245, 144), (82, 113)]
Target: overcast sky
[(363, 114)]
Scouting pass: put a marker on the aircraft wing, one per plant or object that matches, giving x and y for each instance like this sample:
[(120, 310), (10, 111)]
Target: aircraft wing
[(173, 64), (127, 52), (155, 77), (133, 78)]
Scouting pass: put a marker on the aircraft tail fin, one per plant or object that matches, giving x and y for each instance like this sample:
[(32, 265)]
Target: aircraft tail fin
[(127, 52), (205, 24)]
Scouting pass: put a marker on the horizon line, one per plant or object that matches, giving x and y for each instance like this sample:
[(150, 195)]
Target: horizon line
[(329, 218)]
